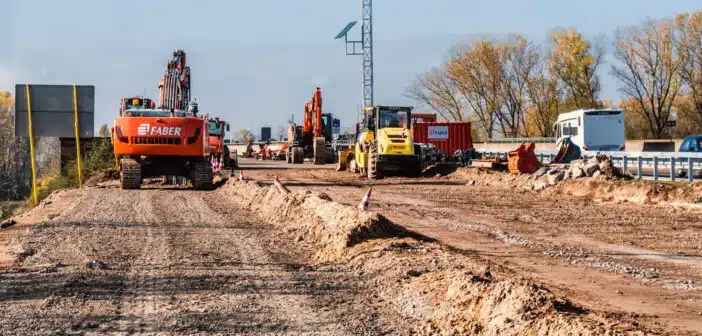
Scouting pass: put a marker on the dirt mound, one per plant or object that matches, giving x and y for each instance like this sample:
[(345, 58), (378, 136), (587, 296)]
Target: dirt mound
[(448, 292), (440, 289), (97, 177), (440, 169), (641, 192), (313, 218), (602, 188)]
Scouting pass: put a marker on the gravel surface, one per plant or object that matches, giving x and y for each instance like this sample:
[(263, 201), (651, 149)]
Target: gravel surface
[(172, 262)]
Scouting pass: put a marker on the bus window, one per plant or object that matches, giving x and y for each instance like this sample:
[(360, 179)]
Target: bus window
[(573, 131), (566, 129)]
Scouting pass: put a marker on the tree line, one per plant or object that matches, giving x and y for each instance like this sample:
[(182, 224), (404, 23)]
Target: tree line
[(513, 87)]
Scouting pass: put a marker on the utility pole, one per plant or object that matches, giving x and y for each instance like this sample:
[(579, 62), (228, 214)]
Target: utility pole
[(366, 50)]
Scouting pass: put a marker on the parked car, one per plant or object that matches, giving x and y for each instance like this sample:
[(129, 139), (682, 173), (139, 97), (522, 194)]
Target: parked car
[(691, 144)]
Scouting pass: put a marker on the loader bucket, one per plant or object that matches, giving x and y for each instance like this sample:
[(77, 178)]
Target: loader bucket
[(523, 160)]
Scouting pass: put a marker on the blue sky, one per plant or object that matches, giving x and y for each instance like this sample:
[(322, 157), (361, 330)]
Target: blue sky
[(257, 62)]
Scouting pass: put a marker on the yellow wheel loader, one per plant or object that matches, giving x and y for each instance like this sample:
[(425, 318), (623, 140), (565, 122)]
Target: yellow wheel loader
[(383, 144)]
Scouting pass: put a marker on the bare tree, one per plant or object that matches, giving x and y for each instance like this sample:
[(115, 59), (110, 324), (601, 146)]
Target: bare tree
[(476, 72), (689, 46), (435, 90), (519, 62), (544, 99), (648, 70)]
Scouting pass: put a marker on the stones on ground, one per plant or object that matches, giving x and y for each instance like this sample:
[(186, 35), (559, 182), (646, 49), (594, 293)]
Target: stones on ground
[(541, 171), (7, 223), (540, 185), (97, 265), (591, 167), (596, 174), (555, 176), (576, 172), (470, 183)]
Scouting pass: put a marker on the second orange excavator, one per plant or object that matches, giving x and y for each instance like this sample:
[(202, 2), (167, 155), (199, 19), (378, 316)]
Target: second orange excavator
[(313, 138)]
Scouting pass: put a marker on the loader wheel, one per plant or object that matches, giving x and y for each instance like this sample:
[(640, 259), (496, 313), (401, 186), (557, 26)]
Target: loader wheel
[(202, 175), (373, 172), (130, 176), (288, 155)]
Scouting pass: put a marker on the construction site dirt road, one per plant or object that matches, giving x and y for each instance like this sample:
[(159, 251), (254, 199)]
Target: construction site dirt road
[(453, 255)]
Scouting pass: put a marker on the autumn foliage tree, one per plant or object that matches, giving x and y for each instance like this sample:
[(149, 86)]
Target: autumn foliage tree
[(648, 71), (513, 87), (689, 46)]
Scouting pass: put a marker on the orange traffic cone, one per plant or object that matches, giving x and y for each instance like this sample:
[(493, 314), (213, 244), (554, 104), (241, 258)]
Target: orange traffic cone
[(281, 187), (241, 176), (366, 200)]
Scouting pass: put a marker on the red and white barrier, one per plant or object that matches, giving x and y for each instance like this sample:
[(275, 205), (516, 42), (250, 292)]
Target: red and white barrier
[(241, 176)]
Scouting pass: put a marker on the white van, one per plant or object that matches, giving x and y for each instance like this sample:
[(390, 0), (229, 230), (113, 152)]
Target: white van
[(593, 129)]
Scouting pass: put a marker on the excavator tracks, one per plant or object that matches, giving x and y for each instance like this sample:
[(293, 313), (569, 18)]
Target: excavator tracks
[(130, 176), (202, 175)]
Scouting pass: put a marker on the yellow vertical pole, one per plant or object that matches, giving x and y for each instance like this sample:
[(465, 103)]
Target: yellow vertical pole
[(35, 196), (77, 128)]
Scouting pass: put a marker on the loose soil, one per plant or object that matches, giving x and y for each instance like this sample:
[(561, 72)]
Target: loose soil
[(637, 259), (434, 256)]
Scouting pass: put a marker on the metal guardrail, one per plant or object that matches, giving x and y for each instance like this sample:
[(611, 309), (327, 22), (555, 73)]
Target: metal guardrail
[(520, 140), (662, 165)]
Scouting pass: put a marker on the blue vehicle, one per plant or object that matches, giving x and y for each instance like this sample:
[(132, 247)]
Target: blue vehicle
[(692, 143)]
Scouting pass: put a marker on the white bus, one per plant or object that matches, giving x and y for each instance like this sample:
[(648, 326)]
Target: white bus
[(593, 129)]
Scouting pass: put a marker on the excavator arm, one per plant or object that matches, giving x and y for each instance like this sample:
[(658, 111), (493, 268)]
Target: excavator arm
[(174, 87)]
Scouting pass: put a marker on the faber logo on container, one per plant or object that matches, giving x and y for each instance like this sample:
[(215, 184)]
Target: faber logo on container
[(438, 132), (146, 129)]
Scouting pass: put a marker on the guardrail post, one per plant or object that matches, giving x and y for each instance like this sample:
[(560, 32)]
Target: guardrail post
[(541, 157), (672, 168), (690, 174), (625, 167), (550, 158), (639, 168), (655, 168)]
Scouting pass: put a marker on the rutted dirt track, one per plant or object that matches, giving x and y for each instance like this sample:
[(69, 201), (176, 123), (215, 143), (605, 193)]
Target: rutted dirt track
[(247, 259), (174, 262)]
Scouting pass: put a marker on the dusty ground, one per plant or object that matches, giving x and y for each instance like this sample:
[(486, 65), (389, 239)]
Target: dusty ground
[(103, 261), (618, 256), (455, 258)]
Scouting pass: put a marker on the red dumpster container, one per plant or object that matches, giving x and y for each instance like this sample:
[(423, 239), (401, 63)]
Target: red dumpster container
[(423, 117), (446, 136)]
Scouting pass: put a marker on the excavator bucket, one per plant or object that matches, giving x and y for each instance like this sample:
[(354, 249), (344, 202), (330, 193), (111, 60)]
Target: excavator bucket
[(523, 160), (567, 151)]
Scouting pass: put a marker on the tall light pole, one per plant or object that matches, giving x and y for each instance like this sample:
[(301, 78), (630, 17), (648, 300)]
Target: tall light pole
[(366, 46)]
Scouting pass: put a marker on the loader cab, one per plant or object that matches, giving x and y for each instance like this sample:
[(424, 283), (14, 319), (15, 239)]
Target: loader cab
[(379, 117)]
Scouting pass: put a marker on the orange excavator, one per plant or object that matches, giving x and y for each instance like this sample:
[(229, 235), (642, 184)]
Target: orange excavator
[(313, 138), (220, 157), (164, 141)]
